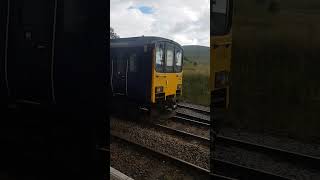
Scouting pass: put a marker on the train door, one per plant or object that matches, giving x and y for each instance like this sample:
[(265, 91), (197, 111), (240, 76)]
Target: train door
[(135, 78), (30, 49), (119, 72)]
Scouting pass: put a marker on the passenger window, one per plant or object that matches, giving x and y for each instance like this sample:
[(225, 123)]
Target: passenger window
[(121, 64), (133, 63), (159, 57), (178, 62), (169, 58)]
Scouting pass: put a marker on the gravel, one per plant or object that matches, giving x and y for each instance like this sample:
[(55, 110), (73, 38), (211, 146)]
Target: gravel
[(194, 153), (199, 154), (284, 143), (138, 165), (264, 162), (200, 131)]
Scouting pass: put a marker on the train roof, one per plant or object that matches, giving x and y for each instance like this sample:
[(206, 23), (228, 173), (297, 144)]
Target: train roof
[(139, 41)]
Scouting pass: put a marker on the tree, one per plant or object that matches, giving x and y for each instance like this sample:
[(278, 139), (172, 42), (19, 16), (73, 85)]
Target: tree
[(113, 35)]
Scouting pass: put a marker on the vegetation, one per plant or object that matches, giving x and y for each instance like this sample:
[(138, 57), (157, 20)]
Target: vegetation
[(196, 73), (113, 35), (275, 84), (198, 54)]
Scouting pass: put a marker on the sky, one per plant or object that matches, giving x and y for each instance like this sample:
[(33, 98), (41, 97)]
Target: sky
[(184, 21)]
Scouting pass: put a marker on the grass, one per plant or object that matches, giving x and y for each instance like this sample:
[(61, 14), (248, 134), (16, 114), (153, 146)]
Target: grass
[(195, 84)]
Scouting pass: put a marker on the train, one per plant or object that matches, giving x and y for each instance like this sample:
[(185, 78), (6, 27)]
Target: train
[(221, 14), (147, 71), (221, 43)]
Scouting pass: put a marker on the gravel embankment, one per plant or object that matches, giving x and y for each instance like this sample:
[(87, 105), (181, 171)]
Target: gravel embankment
[(153, 138), (139, 165)]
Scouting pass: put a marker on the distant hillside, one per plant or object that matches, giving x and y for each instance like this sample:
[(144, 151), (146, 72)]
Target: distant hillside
[(199, 54)]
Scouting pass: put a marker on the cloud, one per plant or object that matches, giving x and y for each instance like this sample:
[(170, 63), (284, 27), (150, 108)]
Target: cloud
[(143, 9), (184, 21)]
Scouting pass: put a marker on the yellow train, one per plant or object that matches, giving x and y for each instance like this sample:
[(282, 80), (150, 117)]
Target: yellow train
[(220, 43), (146, 70), (221, 12)]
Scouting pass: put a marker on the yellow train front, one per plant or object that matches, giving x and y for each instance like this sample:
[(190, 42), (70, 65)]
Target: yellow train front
[(146, 71)]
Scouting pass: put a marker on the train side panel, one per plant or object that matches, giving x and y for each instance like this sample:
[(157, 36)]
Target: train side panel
[(131, 72), (220, 69), (139, 76)]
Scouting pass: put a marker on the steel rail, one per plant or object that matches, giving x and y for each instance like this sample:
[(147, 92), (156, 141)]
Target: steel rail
[(180, 162), (193, 121), (200, 110)]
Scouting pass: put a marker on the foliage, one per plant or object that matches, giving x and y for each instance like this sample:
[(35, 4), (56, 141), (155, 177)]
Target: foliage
[(113, 35), (195, 84), (199, 54)]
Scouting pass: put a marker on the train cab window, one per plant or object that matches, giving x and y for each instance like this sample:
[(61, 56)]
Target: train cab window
[(178, 60), (220, 17), (159, 57), (169, 58), (133, 63)]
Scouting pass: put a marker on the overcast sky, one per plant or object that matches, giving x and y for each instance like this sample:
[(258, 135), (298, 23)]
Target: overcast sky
[(184, 21)]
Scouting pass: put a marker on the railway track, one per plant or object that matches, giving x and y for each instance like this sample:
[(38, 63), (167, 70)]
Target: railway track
[(179, 162), (289, 156), (191, 119), (294, 157), (241, 171), (284, 155), (204, 110), (233, 170), (184, 134)]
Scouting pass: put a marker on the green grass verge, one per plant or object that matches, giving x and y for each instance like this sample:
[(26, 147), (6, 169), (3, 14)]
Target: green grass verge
[(195, 84)]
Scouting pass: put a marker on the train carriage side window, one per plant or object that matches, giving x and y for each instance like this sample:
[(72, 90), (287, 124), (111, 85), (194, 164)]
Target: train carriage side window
[(120, 63), (178, 60), (159, 57), (133, 63), (169, 58)]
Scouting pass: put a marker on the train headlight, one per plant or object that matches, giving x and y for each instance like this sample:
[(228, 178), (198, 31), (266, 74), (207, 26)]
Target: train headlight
[(159, 89), (179, 86), (221, 79)]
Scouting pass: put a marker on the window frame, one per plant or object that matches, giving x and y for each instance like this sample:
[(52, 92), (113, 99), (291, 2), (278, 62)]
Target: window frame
[(176, 49), (171, 68), (228, 18), (134, 61), (162, 69)]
